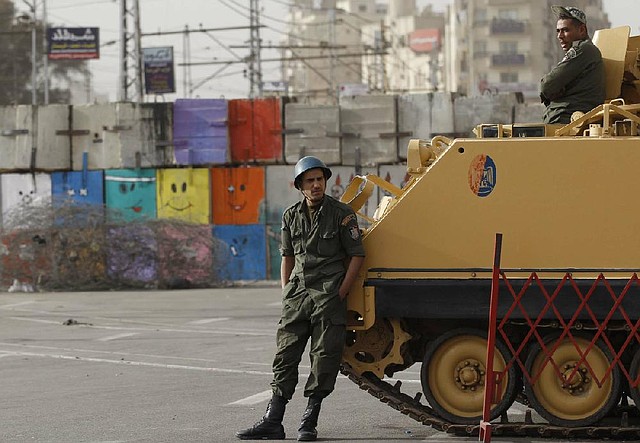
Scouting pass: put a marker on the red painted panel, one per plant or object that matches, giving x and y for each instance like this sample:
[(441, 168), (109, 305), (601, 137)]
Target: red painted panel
[(237, 195), (255, 130)]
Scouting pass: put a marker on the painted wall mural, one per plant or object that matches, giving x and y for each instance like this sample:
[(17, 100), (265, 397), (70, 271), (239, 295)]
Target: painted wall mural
[(237, 195), (184, 194), (132, 192)]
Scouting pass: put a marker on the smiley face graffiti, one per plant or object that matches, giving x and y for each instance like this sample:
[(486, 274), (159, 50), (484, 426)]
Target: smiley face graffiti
[(238, 195), (23, 189), (184, 194), (78, 186), (132, 192)]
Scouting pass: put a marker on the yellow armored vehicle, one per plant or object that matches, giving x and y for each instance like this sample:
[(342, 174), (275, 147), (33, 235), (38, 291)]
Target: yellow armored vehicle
[(565, 198)]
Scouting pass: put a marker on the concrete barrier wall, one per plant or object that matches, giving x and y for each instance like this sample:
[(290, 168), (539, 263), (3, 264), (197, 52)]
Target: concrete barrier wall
[(240, 206), (17, 190), (131, 192)]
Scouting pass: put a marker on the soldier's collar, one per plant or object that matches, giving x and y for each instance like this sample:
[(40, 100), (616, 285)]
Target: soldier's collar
[(304, 206)]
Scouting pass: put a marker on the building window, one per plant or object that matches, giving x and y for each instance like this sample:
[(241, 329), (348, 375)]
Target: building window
[(508, 77), (362, 8), (508, 47), (480, 16)]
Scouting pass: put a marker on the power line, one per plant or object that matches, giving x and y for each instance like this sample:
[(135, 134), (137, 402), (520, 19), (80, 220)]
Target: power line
[(284, 59)]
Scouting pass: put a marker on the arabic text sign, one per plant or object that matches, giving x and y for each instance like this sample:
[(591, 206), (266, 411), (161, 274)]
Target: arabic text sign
[(73, 43), (158, 70)]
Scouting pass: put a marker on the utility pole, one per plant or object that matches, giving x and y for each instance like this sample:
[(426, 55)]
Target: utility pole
[(383, 59), (332, 55), (34, 82), (45, 56), (255, 63), (130, 84), (186, 58)]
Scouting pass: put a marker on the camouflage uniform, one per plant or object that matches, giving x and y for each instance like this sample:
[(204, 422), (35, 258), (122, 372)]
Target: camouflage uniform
[(575, 84), (311, 307)]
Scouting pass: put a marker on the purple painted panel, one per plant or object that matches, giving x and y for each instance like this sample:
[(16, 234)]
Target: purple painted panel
[(200, 131)]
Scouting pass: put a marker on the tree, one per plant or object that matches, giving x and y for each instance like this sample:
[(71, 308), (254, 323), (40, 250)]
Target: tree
[(15, 61)]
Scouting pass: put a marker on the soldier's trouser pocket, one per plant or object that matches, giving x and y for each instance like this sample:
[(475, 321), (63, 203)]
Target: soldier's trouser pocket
[(327, 342)]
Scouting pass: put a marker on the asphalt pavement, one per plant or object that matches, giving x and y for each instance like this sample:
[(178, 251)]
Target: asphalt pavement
[(165, 366)]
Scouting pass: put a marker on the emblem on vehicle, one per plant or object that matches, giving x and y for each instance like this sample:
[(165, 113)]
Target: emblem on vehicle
[(482, 175)]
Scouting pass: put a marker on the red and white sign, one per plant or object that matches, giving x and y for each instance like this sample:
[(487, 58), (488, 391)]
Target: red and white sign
[(424, 40)]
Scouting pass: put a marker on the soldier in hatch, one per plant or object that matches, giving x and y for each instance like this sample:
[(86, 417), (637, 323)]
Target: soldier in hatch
[(577, 82)]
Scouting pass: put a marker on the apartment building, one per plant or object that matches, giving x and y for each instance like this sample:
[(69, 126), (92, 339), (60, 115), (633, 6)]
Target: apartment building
[(506, 45), (324, 46), (407, 55)]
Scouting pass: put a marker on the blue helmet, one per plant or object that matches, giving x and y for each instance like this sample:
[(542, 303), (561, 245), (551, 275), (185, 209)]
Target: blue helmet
[(307, 163)]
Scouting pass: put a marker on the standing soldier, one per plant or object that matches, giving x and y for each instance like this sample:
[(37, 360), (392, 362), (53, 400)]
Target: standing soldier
[(322, 253)]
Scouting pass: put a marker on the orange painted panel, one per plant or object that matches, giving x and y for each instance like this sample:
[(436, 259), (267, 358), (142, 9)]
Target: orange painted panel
[(255, 130), (237, 195)]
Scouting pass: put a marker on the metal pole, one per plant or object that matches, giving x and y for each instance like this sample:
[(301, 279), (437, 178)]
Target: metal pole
[(491, 380), (122, 86), (332, 55), (137, 47), (34, 84), (45, 56), (186, 57)]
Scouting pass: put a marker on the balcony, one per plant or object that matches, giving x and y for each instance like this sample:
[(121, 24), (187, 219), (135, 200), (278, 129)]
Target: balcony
[(507, 26), (508, 59)]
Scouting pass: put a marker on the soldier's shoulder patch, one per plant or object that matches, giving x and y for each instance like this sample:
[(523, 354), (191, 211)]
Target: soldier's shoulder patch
[(354, 232), (571, 54), (345, 221)]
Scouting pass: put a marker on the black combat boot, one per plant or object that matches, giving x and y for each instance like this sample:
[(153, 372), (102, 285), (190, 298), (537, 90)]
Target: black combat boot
[(270, 426), (307, 430)]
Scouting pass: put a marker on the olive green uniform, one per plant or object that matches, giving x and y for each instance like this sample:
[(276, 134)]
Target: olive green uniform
[(575, 84), (321, 243)]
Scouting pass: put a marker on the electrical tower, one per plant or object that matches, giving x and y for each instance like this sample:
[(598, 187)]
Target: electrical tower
[(130, 84), (255, 64)]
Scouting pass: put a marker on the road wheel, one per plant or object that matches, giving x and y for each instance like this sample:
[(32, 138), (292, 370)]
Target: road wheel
[(574, 399), (453, 376)]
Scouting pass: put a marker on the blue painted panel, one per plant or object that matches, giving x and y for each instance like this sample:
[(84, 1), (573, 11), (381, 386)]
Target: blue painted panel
[(246, 251), (200, 131), (79, 186), (132, 192), (273, 247)]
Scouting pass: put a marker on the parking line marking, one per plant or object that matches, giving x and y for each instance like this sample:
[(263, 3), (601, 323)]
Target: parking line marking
[(253, 399), (206, 321), (17, 304), (118, 336), (225, 331), (140, 363), (37, 320)]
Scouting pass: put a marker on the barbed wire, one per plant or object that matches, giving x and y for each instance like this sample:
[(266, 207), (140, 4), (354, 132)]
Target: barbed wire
[(54, 245)]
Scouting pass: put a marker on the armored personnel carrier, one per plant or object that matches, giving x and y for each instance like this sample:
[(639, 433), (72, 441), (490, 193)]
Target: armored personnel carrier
[(564, 197)]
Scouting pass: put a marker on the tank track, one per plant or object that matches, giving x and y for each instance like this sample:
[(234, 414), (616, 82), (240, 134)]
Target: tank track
[(412, 407)]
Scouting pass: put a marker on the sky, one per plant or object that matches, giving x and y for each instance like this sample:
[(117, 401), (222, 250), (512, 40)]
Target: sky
[(175, 15)]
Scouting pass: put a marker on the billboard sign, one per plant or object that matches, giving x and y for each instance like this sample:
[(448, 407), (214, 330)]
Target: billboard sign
[(424, 40), (73, 43), (159, 77)]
